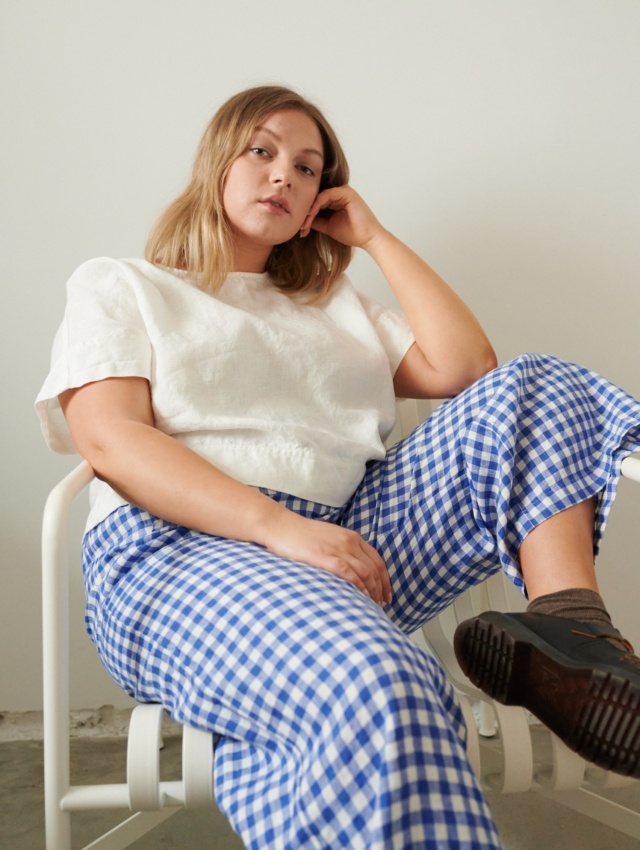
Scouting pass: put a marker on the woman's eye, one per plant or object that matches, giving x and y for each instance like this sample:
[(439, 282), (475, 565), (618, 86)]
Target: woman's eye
[(259, 151), (306, 170)]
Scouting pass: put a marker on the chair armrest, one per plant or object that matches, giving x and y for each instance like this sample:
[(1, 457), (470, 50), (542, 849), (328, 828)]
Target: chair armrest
[(631, 468)]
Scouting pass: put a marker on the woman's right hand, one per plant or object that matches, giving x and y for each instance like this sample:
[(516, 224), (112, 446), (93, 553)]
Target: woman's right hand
[(112, 425), (329, 547)]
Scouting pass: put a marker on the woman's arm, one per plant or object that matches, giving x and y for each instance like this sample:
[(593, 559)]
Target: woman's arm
[(451, 350), (112, 425)]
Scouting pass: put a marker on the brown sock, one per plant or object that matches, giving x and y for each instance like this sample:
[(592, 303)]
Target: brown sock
[(577, 604)]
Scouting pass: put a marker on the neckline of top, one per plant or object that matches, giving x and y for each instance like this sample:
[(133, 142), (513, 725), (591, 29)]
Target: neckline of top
[(249, 275), (233, 275)]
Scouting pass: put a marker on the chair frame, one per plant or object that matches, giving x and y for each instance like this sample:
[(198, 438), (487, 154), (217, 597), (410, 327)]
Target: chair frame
[(150, 800), (567, 779)]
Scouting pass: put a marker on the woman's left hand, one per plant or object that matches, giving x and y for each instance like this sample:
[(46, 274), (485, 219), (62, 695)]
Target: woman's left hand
[(350, 220)]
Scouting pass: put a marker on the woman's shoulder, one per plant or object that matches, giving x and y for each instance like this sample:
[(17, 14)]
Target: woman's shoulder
[(342, 290), (130, 277), (345, 292), (101, 267)]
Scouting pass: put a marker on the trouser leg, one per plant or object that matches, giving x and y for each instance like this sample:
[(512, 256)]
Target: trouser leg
[(452, 503), (337, 731)]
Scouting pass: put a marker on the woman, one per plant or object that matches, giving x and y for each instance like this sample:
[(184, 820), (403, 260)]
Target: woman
[(254, 559)]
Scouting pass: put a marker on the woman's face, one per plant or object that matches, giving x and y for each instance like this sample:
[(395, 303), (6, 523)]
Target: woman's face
[(270, 187)]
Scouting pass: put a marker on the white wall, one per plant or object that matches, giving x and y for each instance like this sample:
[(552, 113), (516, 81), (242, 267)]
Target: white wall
[(501, 139)]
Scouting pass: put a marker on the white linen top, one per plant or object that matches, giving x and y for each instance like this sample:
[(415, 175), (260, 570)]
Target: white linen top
[(275, 392)]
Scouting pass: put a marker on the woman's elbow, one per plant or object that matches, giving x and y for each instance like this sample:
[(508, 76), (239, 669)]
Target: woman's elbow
[(476, 368), (485, 363), (490, 361)]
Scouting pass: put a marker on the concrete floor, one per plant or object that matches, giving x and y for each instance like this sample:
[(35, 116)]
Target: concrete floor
[(526, 821)]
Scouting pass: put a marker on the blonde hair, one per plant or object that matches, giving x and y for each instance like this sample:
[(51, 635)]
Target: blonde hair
[(193, 233)]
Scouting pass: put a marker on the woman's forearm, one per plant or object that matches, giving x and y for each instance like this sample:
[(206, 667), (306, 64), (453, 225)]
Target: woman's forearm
[(451, 348), (167, 479), (446, 331)]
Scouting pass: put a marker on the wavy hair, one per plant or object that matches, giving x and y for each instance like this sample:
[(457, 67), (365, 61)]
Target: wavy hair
[(194, 234)]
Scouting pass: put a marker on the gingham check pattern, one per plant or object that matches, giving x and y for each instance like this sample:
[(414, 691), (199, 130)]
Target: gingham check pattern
[(336, 730)]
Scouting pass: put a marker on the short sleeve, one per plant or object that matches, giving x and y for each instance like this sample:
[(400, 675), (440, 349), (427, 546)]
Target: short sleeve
[(392, 329), (102, 335)]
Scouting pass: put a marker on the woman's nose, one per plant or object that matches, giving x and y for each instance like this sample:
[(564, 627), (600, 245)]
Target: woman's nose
[(281, 175)]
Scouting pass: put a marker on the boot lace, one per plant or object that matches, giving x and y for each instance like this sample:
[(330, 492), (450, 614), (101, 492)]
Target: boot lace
[(628, 650)]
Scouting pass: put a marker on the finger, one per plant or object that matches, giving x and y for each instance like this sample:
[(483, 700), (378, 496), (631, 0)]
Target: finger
[(307, 224), (363, 556), (382, 572), (347, 555), (353, 571), (340, 567), (372, 571), (323, 201), (369, 577), (380, 569), (321, 225)]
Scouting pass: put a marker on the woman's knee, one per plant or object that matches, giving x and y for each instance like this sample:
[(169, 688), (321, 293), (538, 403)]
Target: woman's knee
[(532, 361), (398, 680)]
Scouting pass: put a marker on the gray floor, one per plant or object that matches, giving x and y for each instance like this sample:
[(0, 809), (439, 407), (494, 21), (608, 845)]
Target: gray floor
[(526, 821)]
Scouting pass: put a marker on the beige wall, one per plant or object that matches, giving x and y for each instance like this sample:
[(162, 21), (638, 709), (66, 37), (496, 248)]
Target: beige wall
[(500, 139)]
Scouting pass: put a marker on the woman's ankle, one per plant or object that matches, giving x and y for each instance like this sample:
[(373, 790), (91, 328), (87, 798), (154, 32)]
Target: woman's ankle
[(578, 603)]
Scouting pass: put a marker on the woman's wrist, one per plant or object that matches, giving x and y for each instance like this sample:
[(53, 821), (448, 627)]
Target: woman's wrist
[(266, 519), (378, 243)]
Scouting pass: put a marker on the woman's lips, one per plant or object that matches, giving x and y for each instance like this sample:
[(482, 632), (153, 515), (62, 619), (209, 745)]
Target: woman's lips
[(276, 204)]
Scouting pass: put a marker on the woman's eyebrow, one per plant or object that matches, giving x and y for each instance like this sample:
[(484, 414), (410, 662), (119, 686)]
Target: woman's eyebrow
[(278, 138)]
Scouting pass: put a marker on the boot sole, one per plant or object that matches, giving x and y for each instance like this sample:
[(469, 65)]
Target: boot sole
[(595, 712)]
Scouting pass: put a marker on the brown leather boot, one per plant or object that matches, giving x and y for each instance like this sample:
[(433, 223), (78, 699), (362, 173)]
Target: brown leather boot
[(582, 680)]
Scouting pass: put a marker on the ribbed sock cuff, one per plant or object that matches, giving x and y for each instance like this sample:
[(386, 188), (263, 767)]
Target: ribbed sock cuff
[(576, 603)]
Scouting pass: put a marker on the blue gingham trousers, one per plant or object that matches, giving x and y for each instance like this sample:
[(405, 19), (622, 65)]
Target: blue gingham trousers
[(336, 730)]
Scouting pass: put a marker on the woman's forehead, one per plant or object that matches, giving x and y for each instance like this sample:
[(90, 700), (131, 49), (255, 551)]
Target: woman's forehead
[(293, 125)]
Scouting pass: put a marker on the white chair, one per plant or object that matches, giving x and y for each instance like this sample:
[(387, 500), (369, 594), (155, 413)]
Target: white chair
[(149, 801)]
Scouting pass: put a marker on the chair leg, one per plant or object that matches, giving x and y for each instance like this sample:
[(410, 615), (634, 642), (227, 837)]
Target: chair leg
[(143, 757), (57, 826)]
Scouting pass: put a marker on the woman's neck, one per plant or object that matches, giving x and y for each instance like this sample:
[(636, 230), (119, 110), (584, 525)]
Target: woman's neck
[(252, 259)]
